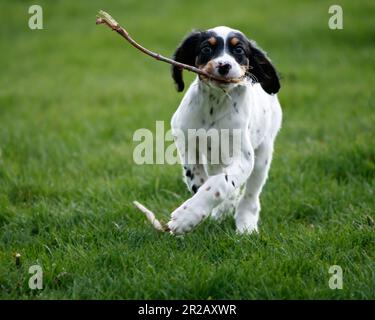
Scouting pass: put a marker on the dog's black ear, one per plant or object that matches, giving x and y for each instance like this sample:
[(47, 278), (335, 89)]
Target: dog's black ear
[(186, 53), (263, 69)]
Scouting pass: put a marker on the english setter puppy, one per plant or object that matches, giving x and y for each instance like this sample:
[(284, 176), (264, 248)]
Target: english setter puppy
[(250, 106)]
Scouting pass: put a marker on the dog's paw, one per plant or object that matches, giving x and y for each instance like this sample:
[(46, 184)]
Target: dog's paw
[(246, 226), (184, 219), (247, 229)]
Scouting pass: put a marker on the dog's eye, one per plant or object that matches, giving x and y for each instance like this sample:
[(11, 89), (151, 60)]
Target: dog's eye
[(238, 50), (206, 50)]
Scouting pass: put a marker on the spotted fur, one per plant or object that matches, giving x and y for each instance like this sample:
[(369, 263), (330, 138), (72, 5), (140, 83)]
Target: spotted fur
[(251, 106)]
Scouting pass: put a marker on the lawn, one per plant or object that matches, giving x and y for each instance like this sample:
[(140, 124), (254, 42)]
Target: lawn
[(71, 97)]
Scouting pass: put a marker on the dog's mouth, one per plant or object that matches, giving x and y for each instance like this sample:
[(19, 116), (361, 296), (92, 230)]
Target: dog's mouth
[(222, 81)]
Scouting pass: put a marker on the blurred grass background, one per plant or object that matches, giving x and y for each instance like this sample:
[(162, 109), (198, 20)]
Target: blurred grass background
[(71, 96)]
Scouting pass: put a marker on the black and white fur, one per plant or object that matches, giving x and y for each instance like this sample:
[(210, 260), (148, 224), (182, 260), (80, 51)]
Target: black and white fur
[(250, 105)]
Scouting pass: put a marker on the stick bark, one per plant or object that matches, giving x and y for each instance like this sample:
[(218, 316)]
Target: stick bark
[(151, 217), (105, 18)]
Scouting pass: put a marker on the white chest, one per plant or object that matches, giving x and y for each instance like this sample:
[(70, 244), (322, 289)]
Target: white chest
[(244, 107)]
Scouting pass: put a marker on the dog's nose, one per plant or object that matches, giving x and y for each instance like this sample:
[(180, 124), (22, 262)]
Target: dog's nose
[(224, 68)]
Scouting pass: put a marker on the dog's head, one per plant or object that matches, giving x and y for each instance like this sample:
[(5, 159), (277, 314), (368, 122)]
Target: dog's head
[(225, 53)]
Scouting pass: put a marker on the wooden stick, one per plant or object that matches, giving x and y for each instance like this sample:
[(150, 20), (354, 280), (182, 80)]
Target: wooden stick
[(151, 217), (105, 18)]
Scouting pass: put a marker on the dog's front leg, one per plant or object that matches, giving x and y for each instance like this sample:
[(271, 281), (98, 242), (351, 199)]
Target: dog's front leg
[(214, 191)]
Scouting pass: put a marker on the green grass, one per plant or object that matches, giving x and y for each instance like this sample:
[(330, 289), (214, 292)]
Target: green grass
[(71, 97)]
